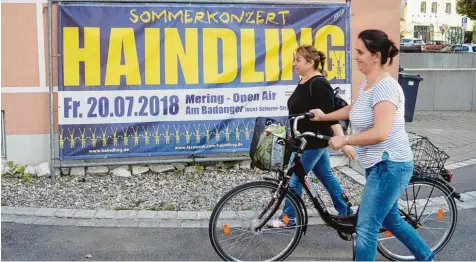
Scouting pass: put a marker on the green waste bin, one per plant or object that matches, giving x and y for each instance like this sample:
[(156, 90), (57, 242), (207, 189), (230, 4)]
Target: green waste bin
[(410, 84)]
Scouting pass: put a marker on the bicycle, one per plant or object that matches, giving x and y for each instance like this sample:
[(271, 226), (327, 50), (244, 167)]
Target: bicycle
[(428, 159)]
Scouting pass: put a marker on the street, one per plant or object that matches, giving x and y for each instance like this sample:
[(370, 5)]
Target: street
[(39, 242)]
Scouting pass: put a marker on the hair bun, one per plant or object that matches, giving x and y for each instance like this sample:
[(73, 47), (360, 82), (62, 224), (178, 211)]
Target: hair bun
[(322, 56), (393, 50)]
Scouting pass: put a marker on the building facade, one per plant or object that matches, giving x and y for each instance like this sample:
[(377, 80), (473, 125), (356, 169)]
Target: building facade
[(433, 20)]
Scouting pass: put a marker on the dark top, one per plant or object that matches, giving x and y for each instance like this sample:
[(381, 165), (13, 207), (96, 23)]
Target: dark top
[(301, 101)]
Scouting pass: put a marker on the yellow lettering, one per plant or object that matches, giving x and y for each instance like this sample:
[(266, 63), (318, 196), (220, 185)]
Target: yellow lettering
[(199, 16), (122, 38), (338, 59), (147, 14), (176, 52), (283, 13), (248, 57), (270, 18), (229, 57), (212, 16), (157, 16), (188, 19), (271, 37), (152, 56), (136, 18), (90, 55), (259, 19), (178, 14), (238, 19), (225, 17), (337, 39), (249, 16), (289, 46)]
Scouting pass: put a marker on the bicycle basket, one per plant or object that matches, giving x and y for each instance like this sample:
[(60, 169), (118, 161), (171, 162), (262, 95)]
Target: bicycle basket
[(428, 159), (268, 150)]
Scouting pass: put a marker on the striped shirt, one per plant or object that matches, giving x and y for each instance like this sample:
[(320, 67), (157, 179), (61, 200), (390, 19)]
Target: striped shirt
[(362, 118)]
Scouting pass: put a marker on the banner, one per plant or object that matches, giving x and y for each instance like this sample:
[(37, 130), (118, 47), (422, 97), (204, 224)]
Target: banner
[(146, 79)]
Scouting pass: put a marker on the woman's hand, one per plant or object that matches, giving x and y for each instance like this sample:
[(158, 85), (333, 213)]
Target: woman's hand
[(337, 142), (349, 152), (318, 114)]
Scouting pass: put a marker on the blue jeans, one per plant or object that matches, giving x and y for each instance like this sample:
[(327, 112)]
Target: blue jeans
[(378, 207), (318, 161)]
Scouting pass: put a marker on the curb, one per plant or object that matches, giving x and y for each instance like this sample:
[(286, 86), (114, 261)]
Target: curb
[(158, 219), (468, 197), (123, 218)]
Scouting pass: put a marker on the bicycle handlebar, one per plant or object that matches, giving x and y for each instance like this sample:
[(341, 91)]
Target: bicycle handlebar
[(300, 135)]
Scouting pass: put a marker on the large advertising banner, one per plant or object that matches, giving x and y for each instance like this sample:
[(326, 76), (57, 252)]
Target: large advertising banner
[(147, 79)]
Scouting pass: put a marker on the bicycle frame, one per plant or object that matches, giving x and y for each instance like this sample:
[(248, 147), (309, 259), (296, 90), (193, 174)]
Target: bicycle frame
[(345, 224)]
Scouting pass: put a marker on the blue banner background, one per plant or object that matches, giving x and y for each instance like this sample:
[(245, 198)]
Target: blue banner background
[(87, 138)]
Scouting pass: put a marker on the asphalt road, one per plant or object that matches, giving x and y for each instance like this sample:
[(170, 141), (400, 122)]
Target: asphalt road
[(464, 179), (35, 242)]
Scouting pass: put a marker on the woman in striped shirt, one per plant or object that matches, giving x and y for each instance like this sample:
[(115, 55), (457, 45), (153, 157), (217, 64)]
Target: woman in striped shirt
[(382, 146)]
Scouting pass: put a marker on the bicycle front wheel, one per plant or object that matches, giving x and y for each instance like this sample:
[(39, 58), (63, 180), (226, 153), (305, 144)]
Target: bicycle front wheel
[(429, 203), (233, 221)]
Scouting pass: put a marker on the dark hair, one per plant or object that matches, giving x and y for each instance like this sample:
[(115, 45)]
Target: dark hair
[(378, 41), (310, 53)]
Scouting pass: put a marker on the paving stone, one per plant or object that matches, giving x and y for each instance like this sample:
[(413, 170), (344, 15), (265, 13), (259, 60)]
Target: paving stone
[(105, 214), (146, 214), (187, 215), (167, 214), (169, 223), (86, 222), (85, 214), (65, 222), (20, 211), (45, 221), (127, 223), (204, 214), (149, 223), (25, 220), (106, 223), (46, 212), (126, 214), (190, 224), (66, 213), (9, 218)]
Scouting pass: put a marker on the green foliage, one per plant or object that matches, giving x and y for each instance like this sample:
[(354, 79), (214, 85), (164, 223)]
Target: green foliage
[(467, 8), (16, 170)]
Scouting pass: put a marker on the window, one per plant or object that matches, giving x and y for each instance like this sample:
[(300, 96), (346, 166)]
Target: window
[(4, 151), (423, 7), (474, 48), (434, 7), (448, 8)]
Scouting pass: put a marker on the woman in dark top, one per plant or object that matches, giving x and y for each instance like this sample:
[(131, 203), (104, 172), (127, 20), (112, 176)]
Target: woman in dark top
[(314, 91)]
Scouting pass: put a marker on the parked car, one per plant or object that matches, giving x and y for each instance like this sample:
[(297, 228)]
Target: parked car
[(471, 48), (435, 45), (412, 45)]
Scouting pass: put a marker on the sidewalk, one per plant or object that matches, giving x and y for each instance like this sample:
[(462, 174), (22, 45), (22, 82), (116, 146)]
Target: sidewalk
[(451, 131)]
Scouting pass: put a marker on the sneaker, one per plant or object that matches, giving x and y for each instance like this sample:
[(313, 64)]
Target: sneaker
[(277, 223)]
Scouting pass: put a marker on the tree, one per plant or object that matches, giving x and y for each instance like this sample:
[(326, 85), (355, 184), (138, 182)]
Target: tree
[(467, 8)]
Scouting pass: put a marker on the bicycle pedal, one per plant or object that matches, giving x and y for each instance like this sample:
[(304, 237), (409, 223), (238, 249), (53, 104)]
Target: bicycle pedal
[(344, 236)]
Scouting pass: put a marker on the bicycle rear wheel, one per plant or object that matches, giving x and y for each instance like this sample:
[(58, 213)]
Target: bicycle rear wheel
[(431, 205), (232, 223)]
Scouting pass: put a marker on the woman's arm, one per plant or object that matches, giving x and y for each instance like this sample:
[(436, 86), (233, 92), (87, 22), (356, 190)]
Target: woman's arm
[(341, 114), (384, 114)]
